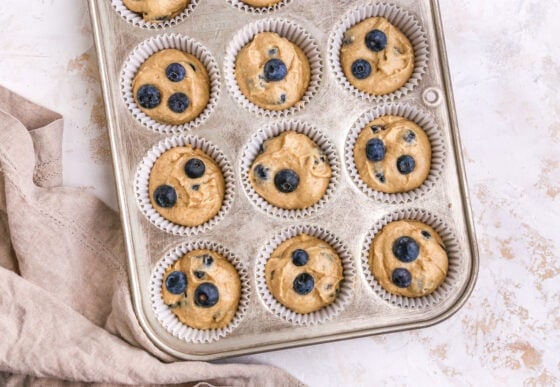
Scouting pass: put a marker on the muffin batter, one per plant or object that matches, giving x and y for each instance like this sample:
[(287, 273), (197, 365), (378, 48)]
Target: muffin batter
[(392, 154), (156, 10), (202, 289), (261, 3), (408, 258), (172, 87), (272, 72), (186, 186), (304, 274), (376, 57), (291, 172)]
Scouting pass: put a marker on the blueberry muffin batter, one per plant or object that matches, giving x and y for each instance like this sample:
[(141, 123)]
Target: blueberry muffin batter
[(202, 289), (272, 72), (408, 258), (156, 10), (376, 57), (261, 3), (392, 154), (304, 274), (172, 87), (291, 172), (186, 186)]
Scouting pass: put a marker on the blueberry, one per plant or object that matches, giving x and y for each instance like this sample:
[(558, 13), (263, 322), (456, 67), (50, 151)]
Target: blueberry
[(410, 136), (401, 278), (377, 128), (375, 150), (303, 284), (207, 260), (206, 295), (261, 172), (195, 168), (300, 257), (361, 69), (406, 249), (426, 234), (165, 196), (195, 187), (406, 164), (176, 282), (273, 51), (148, 96), (178, 102), (376, 40), (275, 70), (286, 181), (380, 176), (199, 274), (175, 72), (282, 99)]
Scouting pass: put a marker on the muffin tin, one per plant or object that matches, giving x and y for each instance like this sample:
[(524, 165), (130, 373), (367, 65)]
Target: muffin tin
[(247, 229)]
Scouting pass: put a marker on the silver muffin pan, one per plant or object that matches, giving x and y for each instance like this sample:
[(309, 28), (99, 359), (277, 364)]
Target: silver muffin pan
[(349, 214)]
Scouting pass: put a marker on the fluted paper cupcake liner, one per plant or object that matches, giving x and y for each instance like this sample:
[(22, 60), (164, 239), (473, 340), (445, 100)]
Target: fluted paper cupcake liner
[(151, 46), (258, 10), (400, 18), (286, 29), (253, 148), (345, 294), (451, 246), (136, 19), (420, 118), (164, 314), (143, 177)]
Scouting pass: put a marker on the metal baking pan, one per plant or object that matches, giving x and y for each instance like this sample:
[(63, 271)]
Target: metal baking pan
[(349, 215)]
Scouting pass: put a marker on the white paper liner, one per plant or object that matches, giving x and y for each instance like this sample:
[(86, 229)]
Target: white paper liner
[(136, 19), (149, 47), (405, 22), (451, 246), (346, 286), (252, 149), (258, 10), (166, 316), (289, 30), (420, 118), (142, 179)]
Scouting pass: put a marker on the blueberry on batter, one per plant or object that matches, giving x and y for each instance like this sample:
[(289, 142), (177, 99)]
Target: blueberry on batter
[(300, 257), (303, 284), (165, 196), (401, 278), (176, 282), (406, 249), (406, 164), (148, 96), (261, 172), (375, 150), (195, 168), (376, 40), (206, 295), (275, 70), (409, 137), (361, 69), (178, 102), (175, 72), (286, 181)]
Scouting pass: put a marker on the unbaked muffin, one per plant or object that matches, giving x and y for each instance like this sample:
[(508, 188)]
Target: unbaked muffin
[(376, 57), (156, 10), (291, 172), (408, 258), (172, 87), (304, 274), (186, 186), (272, 72), (202, 289)]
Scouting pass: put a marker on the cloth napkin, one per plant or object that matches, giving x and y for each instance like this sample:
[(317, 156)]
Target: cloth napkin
[(65, 309)]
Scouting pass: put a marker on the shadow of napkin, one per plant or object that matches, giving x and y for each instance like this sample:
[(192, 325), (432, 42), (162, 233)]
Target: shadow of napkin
[(65, 307)]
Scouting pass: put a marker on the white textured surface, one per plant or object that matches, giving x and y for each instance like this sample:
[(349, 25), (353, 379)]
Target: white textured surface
[(505, 65)]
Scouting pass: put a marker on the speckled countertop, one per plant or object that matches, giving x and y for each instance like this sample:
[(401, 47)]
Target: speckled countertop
[(505, 66)]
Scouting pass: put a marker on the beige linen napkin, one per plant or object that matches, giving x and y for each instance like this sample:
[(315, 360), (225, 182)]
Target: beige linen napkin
[(65, 308)]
